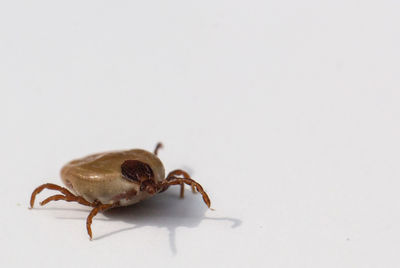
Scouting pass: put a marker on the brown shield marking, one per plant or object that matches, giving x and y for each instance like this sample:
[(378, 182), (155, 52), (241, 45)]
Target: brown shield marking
[(137, 171)]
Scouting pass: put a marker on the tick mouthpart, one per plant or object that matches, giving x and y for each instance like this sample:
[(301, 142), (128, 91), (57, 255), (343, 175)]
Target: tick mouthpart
[(150, 190), (148, 186)]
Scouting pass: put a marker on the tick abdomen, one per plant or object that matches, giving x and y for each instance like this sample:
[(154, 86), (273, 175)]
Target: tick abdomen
[(98, 176)]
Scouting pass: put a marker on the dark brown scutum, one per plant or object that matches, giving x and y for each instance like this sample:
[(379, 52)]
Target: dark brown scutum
[(135, 170)]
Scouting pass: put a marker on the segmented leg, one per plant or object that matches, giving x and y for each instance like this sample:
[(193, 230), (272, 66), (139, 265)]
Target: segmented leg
[(70, 197), (184, 174), (172, 180), (73, 198), (158, 146), (99, 208), (182, 192), (50, 186)]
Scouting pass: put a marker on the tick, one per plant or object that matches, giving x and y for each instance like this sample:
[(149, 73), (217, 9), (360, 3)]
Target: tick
[(114, 179)]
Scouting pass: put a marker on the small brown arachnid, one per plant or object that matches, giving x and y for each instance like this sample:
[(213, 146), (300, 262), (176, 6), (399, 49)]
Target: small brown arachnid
[(114, 179)]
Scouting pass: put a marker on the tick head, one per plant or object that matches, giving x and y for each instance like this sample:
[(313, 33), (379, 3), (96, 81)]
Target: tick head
[(140, 173)]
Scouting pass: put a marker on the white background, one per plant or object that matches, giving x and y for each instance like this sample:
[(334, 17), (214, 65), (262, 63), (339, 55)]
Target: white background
[(287, 112)]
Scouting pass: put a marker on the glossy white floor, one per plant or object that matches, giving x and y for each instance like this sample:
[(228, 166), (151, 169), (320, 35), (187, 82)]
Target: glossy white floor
[(287, 112)]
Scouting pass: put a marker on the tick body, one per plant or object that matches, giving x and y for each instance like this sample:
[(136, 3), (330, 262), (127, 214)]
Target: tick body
[(114, 179)]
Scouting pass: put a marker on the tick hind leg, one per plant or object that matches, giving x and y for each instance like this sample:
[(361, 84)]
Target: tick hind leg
[(73, 198), (70, 197), (66, 195), (173, 180)]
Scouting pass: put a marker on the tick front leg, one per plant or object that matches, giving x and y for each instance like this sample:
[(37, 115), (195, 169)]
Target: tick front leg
[(172, 180), (185, 175), (98, 208)]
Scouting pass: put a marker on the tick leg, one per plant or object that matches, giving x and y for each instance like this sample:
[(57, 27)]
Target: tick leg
[(72, 198), (99, 208), (158, 146), (49, 186), (184, 174), (182, 193), (172, 180)]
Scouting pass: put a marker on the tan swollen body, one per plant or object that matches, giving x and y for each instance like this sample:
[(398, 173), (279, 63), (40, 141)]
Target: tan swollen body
[(98, 177)]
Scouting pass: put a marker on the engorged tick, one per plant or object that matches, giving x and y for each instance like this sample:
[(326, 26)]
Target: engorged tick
[(114, 179)]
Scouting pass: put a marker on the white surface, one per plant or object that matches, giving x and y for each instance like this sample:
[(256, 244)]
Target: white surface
[(286, 111)]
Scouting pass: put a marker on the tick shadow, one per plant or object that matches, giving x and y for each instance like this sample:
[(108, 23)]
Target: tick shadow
[(165, 210), (58, 209)]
